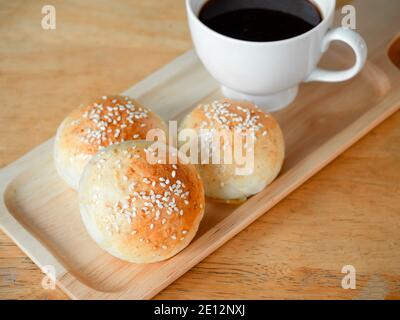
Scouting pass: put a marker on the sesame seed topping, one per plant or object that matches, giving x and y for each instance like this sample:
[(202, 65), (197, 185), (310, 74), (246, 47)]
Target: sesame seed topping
[(144, 202), (226, 115), (110, 122)]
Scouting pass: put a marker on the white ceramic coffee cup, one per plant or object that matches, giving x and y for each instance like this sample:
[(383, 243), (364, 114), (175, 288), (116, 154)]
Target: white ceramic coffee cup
[(269, 73)]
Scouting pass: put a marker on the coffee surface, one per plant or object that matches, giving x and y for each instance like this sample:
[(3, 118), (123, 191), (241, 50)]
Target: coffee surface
[(260, 20)]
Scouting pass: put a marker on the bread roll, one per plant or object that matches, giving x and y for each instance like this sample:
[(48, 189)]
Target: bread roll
[(137, 211), (86, 130), (222, 181)]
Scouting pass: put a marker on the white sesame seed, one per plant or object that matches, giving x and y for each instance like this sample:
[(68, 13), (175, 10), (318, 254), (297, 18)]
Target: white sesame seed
[(132, 186)]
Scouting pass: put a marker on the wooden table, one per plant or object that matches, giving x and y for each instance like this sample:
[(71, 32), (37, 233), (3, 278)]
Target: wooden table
[(347, 214)]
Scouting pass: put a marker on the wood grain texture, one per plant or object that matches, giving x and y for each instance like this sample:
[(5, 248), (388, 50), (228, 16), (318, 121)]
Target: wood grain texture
[(349, 213)]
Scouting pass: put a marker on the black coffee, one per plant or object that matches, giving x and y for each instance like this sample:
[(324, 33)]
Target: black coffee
[(260, 20)]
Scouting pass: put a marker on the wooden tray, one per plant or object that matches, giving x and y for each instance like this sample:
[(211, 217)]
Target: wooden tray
[(40, 213)]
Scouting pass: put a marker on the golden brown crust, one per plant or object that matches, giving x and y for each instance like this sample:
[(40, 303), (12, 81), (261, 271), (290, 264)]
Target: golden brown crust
[(230, 115), (142, 212), (221, 181), (109, 120), (88, 129)]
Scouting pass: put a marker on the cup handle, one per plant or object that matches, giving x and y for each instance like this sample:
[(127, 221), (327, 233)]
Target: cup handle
[(356, 42)]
